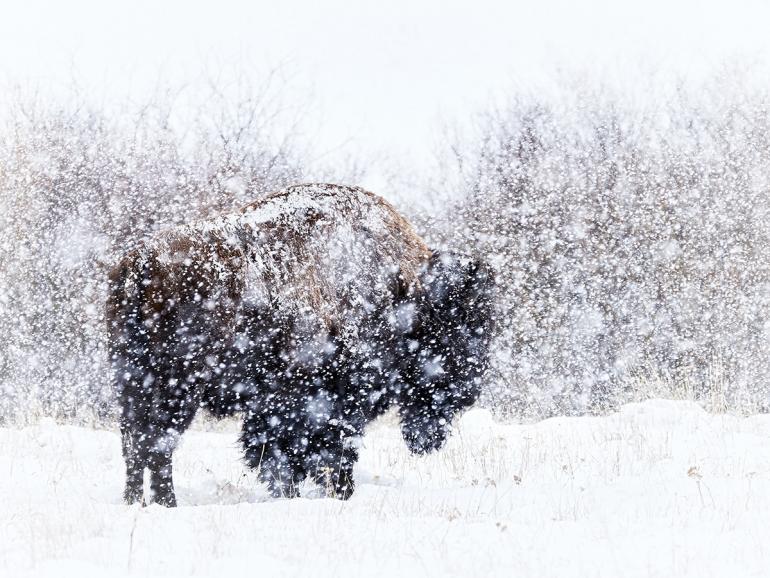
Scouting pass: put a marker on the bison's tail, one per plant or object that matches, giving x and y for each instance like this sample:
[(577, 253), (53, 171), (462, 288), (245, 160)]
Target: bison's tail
[(128, 345), (127, 334)]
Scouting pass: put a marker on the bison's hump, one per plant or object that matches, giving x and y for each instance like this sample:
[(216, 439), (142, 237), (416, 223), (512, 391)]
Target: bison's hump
[(329, 251)]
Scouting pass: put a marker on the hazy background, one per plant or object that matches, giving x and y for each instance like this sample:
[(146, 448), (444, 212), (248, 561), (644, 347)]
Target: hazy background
[(374, 79)]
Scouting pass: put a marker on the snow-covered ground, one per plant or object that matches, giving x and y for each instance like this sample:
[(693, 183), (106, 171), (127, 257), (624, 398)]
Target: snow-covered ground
[(659, 489)]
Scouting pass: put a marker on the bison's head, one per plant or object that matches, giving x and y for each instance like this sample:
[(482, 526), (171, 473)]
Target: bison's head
[(447, 349)]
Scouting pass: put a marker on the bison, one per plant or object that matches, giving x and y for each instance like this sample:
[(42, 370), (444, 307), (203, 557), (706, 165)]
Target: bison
[(311, 311)]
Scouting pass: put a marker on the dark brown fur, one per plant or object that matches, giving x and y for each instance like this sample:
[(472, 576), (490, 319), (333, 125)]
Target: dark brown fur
[(311, 311)]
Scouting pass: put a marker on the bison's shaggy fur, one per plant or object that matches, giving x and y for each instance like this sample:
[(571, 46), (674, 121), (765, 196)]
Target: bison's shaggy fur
[(311, 311)]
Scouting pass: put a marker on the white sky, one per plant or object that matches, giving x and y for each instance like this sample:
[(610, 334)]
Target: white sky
[(380, 74)]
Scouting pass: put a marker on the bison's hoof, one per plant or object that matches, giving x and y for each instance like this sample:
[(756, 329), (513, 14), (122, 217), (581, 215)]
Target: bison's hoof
[(165, 499)]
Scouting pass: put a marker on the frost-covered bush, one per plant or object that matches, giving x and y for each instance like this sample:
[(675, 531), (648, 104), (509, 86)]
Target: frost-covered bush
[(78, 185), (631, 245)]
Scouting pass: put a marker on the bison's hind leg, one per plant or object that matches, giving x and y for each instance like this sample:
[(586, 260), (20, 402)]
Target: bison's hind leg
[(146, 450), (161, 480), (135, 400), (135, 464), (155, 413)]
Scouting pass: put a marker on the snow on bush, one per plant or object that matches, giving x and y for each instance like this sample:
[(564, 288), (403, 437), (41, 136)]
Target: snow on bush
[(630, 240), (79, 184)]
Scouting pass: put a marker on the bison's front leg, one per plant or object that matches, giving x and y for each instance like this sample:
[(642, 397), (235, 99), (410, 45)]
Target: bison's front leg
[(280, 473), (331, 455), (271, 450)]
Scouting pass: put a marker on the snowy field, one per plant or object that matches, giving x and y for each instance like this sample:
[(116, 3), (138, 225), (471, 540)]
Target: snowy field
[(661, 488)]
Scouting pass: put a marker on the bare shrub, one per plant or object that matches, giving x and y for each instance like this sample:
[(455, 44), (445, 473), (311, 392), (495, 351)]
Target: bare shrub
[(630, 241), (79, 183)]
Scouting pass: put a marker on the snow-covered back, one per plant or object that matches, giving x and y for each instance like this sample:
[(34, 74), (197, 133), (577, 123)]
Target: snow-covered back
[(330, 251)]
